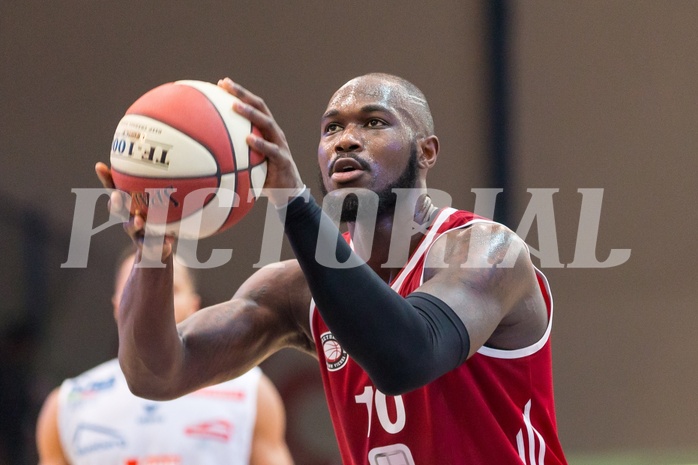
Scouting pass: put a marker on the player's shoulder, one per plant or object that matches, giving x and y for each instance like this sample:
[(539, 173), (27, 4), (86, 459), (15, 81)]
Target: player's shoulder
[(281, 269), (483, 253), (477, 239), (280, 281)]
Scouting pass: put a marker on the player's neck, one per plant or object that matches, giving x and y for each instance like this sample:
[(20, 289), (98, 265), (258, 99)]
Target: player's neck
[(387, 246)]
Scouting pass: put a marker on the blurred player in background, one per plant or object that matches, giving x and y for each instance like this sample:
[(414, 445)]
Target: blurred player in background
[(94, 419), (439, 357)]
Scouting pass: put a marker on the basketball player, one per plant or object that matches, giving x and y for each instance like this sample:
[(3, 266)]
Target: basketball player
[(443, 358), (94, 418)]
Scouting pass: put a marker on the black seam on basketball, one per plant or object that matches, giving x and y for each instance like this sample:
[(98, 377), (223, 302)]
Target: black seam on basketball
[(184, 178), (236, 168), (234, 175)]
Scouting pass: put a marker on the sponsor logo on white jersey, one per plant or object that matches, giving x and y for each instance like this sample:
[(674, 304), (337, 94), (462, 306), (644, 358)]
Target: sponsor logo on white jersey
[(90, 438), (218, 430)]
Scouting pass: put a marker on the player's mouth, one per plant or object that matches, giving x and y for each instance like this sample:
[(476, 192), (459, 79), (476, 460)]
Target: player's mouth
[(346, 169)]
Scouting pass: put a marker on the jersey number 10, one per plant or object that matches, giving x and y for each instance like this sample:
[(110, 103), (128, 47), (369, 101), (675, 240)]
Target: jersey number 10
[(372, 397)]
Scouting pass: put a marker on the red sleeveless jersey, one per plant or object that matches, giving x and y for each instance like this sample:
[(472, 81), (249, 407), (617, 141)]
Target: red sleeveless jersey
[(497, 408)]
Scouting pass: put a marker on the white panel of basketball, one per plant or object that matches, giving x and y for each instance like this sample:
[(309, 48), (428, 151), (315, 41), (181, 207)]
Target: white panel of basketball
[(258, 174), (237, 126), (185, 156)]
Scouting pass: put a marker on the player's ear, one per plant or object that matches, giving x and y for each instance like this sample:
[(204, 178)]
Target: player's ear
[(429, 151)]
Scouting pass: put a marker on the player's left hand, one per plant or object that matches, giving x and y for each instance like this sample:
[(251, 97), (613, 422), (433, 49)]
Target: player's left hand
[(104, 175), (135, 226)]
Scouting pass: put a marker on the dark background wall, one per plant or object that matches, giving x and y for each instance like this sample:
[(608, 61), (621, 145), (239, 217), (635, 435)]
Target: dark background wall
[(605, 97), (600, 95)]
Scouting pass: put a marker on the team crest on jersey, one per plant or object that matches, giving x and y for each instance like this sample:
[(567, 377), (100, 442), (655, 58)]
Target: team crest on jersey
[(335, 356)]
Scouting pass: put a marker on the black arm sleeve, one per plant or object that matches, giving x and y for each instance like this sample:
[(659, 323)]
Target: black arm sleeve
[(402, 343)]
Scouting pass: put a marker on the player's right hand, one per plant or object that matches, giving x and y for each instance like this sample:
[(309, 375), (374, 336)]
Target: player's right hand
[(283, 180)]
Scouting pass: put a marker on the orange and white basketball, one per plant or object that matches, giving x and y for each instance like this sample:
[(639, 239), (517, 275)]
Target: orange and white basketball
[(180, 149)]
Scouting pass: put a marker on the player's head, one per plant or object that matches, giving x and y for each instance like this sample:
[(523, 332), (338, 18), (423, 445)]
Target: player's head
[(377, 133), (186, 299)]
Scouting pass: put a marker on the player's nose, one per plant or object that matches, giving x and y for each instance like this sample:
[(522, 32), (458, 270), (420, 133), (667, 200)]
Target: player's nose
[(349, 140)]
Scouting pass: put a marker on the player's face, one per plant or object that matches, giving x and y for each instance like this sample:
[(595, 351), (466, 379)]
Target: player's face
[(367, 137), (186, 300)]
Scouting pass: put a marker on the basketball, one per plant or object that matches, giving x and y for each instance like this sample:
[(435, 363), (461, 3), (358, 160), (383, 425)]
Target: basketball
[(180, 152)]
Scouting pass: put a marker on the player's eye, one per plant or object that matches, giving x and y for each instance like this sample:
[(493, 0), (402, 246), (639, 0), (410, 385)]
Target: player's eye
[(332, 127), (375, 122)]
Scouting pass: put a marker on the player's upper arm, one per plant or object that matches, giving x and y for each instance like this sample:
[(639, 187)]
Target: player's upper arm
[(484, 273), (269, 442), (267, 313), (48, 441), (281, 290)]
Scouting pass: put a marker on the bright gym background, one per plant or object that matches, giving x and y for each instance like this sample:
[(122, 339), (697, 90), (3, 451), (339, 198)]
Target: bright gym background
[(526, 95)]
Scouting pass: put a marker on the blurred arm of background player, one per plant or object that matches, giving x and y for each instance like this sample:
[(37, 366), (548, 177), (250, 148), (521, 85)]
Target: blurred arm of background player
[(268, 442)]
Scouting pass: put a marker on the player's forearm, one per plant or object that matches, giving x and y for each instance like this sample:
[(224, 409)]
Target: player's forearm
[(150, 350)]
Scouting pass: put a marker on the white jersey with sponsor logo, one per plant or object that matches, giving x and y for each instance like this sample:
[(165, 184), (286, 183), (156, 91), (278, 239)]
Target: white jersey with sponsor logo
[(102, 423)]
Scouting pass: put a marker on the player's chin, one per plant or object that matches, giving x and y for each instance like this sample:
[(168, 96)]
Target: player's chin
[(357, 185)]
